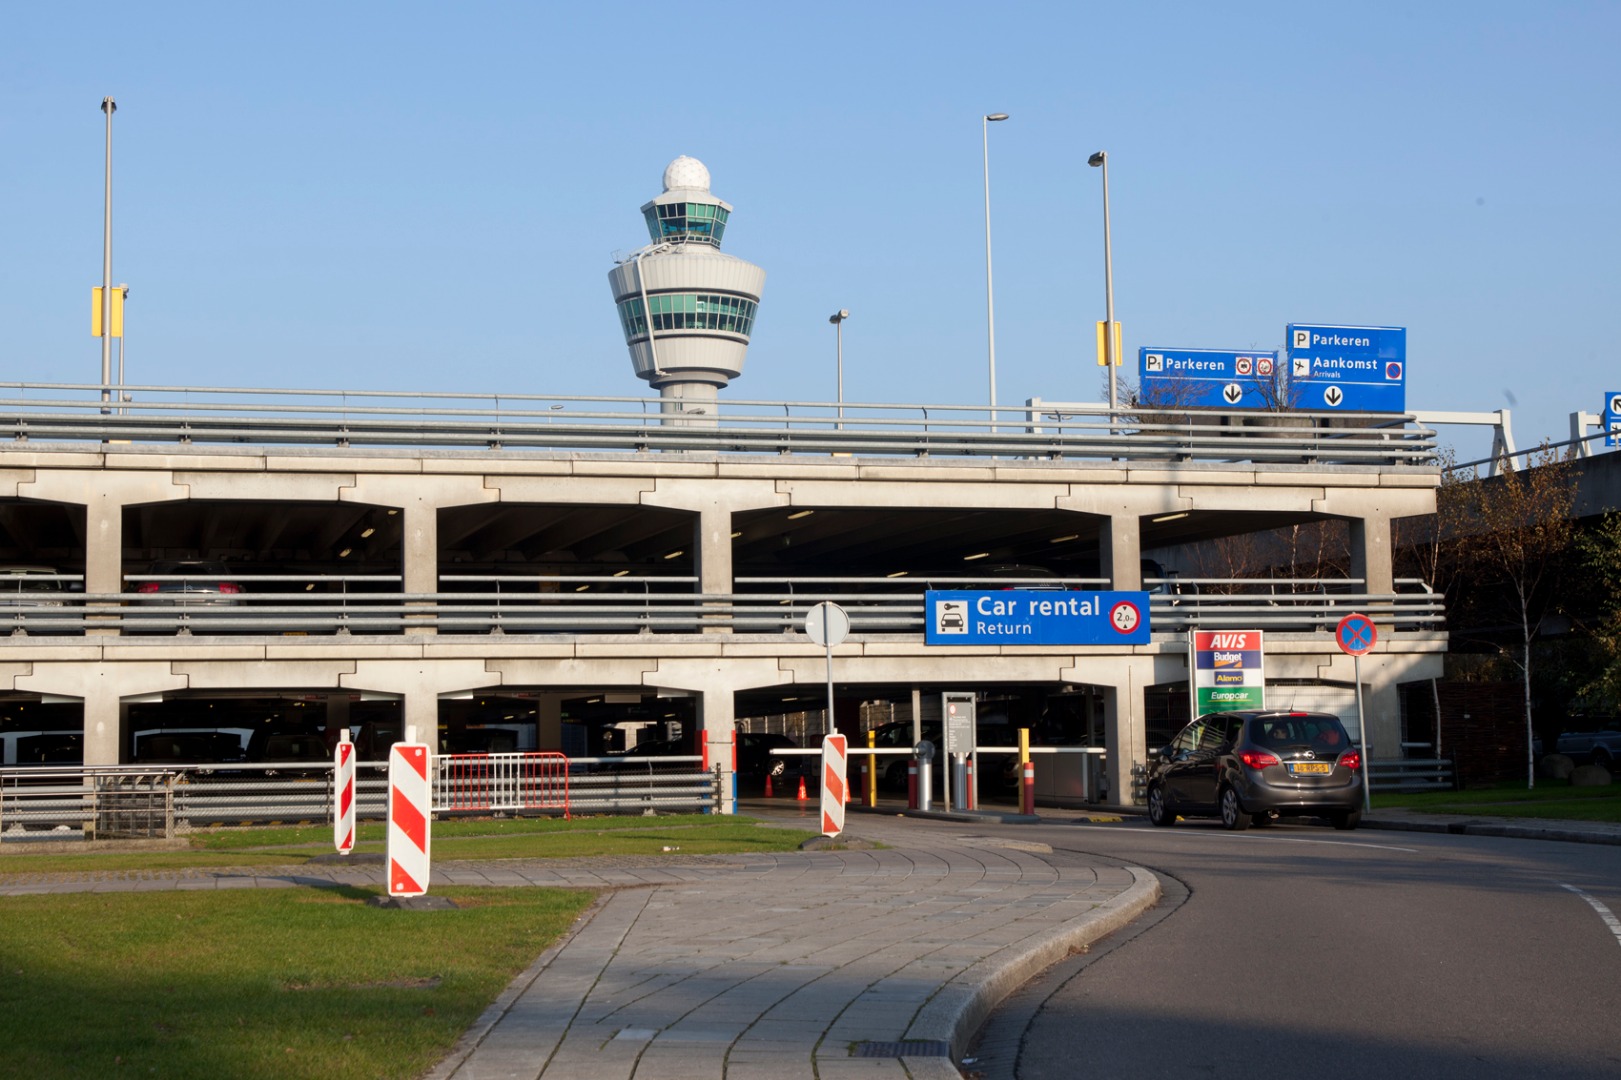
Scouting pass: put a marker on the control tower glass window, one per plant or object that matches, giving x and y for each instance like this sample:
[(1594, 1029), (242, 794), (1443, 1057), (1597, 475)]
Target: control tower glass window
[(688, 311), (702, 223)]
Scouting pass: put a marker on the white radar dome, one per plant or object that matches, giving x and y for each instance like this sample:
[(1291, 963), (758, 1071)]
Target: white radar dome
[(686, 172)]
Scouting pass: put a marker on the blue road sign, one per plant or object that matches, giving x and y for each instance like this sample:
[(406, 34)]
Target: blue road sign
[(1210, 378), (1354, 368), (1356, 634), (1612, 418), (1035, 617)]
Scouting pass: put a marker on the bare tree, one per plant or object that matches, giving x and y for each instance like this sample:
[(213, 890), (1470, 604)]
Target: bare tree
[(1514, 530)]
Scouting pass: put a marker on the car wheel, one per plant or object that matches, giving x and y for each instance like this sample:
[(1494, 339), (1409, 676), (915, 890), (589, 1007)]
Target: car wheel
[(1159, 812), (1346, 819), (1232, 812), (1601, 757)]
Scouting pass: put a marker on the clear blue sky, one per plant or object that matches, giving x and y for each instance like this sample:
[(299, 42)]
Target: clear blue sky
[(429, 197)]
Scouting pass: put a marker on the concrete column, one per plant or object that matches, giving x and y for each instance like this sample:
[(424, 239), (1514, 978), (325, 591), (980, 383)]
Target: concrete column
[(1381, 711), (103, 723), (1120, 551), (549, 722), (103, 558), (420, 709), (419, 543), (712, 537), (337, 717), (1124, 736), (717, 728), (102, 687), (1370, 553)]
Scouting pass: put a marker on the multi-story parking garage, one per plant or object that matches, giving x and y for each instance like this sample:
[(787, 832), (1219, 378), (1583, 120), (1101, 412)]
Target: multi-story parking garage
[(540, 572)]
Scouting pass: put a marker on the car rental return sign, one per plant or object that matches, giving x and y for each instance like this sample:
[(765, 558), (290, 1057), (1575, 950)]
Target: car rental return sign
[(1035, 617)]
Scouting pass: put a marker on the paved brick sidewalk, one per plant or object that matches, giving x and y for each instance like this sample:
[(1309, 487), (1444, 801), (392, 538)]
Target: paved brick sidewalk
[(783, 966), (759, 966)]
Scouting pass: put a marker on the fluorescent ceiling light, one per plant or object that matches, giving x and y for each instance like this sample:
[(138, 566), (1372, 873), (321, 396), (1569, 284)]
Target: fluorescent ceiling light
[(737, 534), (344, 554), (367, 532), (673, 554), (620, 573), (971, 558), (800, 514), (1064, 539), (1168, 517), (898, 573)]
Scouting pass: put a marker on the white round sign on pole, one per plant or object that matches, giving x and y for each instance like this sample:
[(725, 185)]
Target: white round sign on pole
[(827, 624)]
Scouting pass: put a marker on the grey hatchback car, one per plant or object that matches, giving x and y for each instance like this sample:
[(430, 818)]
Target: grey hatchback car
[(1253, 767)]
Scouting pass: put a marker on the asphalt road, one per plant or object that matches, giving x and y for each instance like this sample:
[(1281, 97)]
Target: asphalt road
[(1297, 951)]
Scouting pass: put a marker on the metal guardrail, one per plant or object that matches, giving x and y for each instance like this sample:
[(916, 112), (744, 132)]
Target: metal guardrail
[(1411, 774), (92, 804), (74, 804), (666, 605), (341, 419)]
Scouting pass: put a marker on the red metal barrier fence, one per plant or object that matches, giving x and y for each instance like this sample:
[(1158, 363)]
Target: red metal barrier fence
[(490, 782)]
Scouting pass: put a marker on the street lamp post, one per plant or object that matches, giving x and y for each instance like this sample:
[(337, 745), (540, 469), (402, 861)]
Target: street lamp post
[(837, 319), (108, 106), (990, 303), (1101, 160)]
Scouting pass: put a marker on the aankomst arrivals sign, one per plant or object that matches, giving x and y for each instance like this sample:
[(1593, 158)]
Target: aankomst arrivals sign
[(1227, 671)]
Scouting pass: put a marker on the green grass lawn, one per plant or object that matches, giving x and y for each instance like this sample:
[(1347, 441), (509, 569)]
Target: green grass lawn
[(487, 838), (1552, 799), (257, 983)]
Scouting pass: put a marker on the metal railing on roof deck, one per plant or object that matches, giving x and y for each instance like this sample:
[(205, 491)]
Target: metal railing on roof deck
[(671, 605), (160, 415)]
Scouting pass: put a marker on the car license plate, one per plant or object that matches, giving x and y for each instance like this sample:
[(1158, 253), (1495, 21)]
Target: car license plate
[(1318, 768)]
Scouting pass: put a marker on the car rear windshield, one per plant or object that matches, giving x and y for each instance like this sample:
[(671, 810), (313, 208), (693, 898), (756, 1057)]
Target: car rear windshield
[(1322, 734)]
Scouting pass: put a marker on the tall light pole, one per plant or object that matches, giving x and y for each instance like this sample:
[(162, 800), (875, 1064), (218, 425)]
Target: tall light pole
[(108, 106), (837, 319), (990, 303), (1101, 160)]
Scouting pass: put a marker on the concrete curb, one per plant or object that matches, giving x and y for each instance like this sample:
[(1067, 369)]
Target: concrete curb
[(960, 1007)]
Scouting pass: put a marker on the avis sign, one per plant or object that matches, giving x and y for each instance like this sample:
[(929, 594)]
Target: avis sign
[(1227, 670)]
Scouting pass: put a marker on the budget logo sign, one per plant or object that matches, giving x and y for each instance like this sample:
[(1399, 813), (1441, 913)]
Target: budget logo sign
[(1228, 670)]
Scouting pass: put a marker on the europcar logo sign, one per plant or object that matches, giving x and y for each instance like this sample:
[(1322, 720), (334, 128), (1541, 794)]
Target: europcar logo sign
[(1227, 671)]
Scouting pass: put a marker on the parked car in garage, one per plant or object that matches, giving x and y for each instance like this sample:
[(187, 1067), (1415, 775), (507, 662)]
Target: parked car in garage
[(1254, 766), (28, 589), (198, 589)]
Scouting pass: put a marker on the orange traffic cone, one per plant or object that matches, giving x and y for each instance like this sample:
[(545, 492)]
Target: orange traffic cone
[(768, 785), (801, 796)]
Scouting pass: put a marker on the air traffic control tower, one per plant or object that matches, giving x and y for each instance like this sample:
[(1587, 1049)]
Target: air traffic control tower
[(702, 301)]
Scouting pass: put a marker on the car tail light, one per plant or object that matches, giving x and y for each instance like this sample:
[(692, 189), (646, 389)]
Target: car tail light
[(1259, 759), (229, 587), (148, 587), (1352, 760)]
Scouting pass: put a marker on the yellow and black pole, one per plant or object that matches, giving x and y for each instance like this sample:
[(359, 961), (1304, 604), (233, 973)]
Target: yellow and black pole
[(872, 770), (1027, 775)]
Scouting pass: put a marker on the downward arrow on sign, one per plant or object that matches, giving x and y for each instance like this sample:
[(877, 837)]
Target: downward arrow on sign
[(1332, 395), (1232, 393)]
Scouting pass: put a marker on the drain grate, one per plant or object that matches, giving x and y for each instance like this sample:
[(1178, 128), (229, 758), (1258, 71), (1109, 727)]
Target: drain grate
[(903, 1048)]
